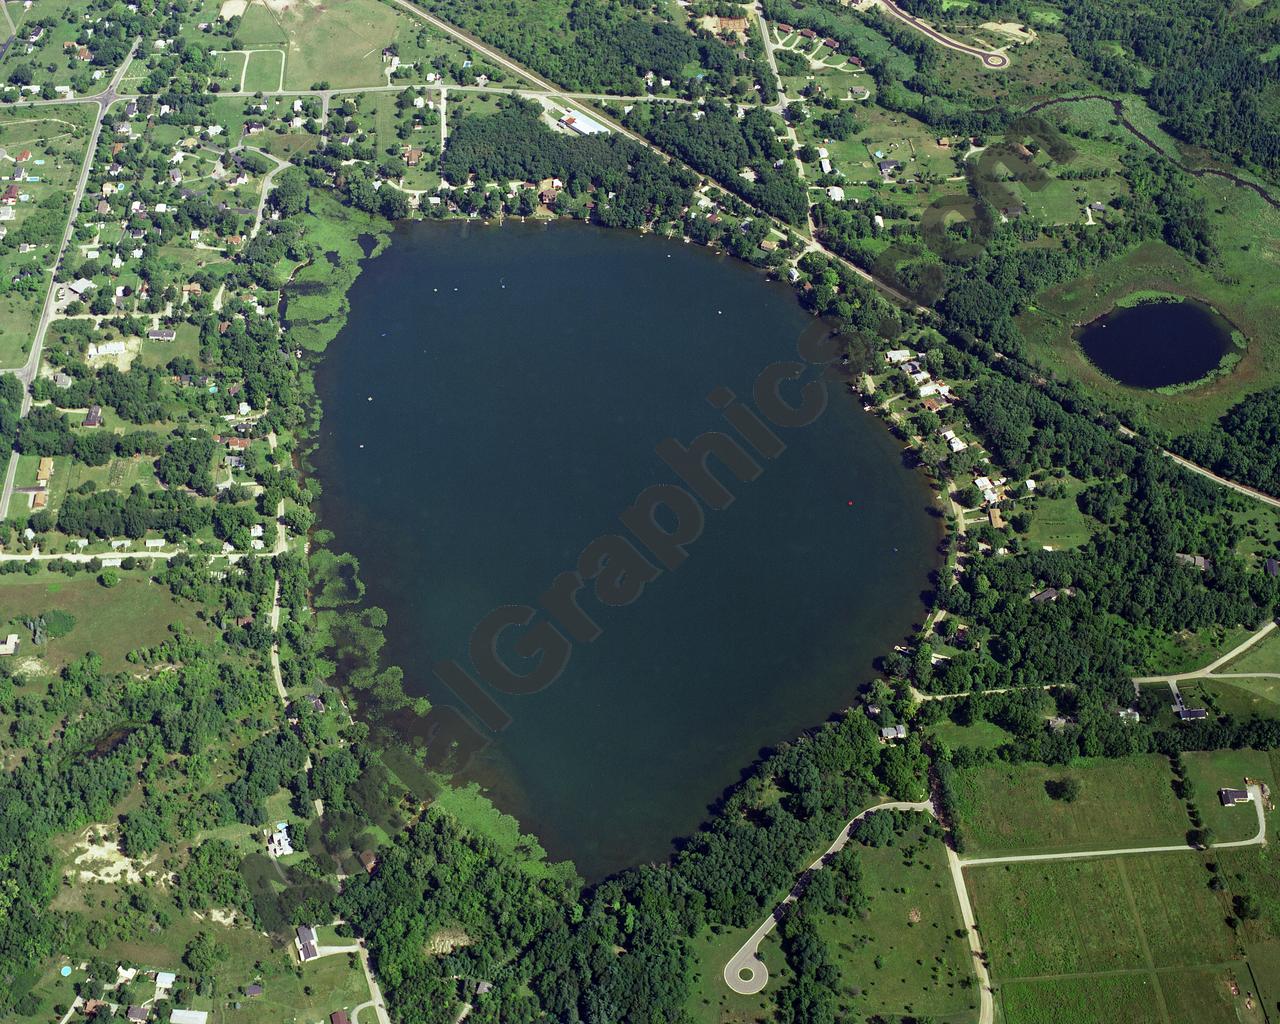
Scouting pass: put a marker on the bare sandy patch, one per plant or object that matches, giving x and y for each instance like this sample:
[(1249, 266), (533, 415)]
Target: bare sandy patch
[(1011, 29), (29, 667), (232, 9), (446, 941), (97, 858)]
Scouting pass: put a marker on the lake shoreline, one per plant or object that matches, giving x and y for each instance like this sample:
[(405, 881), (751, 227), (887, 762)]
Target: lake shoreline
[(924, 484)]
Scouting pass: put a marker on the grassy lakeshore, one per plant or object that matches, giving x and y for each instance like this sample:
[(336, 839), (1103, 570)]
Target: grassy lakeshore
[(1241, 289)]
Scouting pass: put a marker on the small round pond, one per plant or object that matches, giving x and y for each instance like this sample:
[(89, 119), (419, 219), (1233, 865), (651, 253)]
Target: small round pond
[(1157, 344)]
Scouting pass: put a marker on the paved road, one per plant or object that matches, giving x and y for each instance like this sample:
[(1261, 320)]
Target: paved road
[(27, 373), (990, 58), (746, 973), (1255, 794), (377, 1002), (1212, 667), (1248, 492)]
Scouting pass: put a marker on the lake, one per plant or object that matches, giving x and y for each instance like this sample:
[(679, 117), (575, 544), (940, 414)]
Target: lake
[(1156, 344), (495, 404)]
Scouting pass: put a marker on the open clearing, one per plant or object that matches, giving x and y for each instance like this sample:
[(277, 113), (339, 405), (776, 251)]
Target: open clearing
[(137, 614), (1125, 802), (265, 71), (1111, 939), (1212, 770)]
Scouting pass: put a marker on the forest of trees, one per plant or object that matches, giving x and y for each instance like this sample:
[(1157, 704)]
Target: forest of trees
[(595, 45), (514, 145), (1203, 71), (1244, 445), (718, 143)]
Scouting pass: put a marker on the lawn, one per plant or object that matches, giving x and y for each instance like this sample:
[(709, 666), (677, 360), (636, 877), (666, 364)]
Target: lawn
[(135, 613), (711, 1001), (1241, 698), (265, 71), (1058, 523), (1209, 771), (983, 734), (1005, 809)]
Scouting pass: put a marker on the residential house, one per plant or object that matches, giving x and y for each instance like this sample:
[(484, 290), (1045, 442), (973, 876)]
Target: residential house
[(1231, 797), (306, 943), (94, 416), (278, 843), (162, 335), (10, 645), (893, 732)]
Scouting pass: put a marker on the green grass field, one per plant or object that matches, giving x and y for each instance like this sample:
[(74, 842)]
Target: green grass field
[(339, 43), (265, 70), (137, 613), (983, 734), (1058, 523), (1105, 1000), (1264, 656), (1124, 802), (1148, 924), (1054, 917)]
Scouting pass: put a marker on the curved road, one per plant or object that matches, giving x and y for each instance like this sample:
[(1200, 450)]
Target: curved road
[(990, 58), (745, 972), (1210, 669)]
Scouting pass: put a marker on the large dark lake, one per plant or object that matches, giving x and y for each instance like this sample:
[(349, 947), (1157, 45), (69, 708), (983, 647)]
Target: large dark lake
[(494, 405), (1156, 344)]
